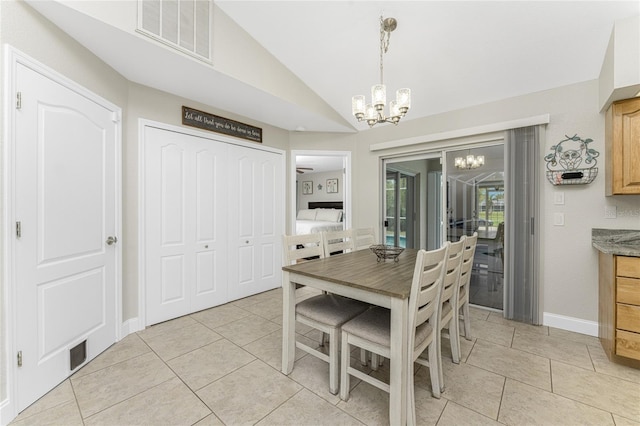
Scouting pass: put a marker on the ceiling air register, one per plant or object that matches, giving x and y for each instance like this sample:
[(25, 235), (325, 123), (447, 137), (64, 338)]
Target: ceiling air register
[(184, 25)]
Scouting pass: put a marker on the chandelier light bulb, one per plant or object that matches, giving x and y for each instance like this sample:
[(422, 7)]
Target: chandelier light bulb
[(358, 105), (379, 96)]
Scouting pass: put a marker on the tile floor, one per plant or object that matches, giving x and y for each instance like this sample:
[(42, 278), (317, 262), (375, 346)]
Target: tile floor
[(222, 366)]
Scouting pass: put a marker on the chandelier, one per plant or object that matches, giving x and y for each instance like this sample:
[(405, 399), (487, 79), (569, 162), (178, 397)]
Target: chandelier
[(469, 162), (373, 113)]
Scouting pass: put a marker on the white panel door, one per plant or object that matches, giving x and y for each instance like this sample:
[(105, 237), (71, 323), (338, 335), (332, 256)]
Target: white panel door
[(185, 220), (65, 201), (256, 221)]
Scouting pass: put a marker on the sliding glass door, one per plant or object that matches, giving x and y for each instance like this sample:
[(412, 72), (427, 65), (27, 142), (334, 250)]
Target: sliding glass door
[(476, 203), (400, 196)]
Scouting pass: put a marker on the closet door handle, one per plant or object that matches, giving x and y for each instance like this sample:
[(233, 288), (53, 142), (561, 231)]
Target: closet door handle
[(112, 240)]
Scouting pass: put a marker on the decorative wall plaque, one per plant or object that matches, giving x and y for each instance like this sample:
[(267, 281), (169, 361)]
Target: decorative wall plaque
[(203, 120)]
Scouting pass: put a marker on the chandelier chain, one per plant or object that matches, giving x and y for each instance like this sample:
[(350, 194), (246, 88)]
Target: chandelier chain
[(385, 36)]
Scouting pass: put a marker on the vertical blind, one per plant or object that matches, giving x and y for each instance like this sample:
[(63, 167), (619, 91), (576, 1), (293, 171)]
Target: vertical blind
[(522, 228)]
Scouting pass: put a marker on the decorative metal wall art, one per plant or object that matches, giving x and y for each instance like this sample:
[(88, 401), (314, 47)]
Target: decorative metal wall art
[(565, 159)]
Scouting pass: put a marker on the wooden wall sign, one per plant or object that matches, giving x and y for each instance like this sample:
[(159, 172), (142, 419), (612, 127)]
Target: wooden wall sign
[(202, 120)]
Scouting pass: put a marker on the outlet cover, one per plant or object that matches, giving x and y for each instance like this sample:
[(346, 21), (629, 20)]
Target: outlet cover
[(610, 212)]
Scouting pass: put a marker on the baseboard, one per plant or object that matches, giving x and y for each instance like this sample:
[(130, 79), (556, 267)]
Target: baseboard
[(129, 326), (7, 413), (576, 325)]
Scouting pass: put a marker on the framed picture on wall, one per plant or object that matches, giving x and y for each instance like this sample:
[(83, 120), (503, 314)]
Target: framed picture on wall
[(332, 186), (307, 187)]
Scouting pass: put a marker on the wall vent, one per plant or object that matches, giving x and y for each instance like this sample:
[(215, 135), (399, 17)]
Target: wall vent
[(182, 24)]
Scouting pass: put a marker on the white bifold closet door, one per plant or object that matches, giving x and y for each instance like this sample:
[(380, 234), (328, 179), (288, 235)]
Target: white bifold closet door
[(256, 221), (185, 224), (214, 219)]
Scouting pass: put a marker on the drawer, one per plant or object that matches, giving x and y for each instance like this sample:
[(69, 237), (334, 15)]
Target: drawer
[(628, 290), (628, 266), (628, 344), (628, 317)]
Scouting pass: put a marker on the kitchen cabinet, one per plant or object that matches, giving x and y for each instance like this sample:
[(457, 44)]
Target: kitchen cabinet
[(619, 307), (622, 147)]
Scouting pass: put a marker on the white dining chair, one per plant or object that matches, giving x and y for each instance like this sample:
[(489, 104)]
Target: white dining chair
[(462, 307), (365, 238), (448, 300), (342, 241), (372, 329), (324, 312)]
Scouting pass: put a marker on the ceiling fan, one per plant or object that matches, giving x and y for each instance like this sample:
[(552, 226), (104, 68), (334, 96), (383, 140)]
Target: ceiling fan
[(301, 170)]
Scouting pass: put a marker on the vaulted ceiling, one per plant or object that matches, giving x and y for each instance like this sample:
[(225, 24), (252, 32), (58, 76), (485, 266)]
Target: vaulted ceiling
[(452, 54)]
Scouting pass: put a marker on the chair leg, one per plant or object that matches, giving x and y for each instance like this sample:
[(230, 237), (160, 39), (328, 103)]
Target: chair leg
[(334, 361), (467, 321), (438, 360), (454, 340), (435, 368), (363, 357), (344, 366), (374, 361), (324, 339), (411, 394)]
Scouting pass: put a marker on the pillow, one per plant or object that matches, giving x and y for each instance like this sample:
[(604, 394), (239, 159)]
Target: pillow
[(307, 215), (328, 215)]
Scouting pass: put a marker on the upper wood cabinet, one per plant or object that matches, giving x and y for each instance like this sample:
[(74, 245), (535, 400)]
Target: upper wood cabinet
[(622, 147)]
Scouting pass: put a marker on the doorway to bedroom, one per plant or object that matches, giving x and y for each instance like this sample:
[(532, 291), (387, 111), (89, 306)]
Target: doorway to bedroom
[(320, 191)]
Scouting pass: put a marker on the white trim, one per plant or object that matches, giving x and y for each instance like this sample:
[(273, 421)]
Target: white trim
[(347, 184), (576, 325), (141, 321), (470, 131), (13, 57), (130, 326)]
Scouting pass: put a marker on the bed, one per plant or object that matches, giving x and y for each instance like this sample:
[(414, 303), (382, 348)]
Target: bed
[(320, 216)]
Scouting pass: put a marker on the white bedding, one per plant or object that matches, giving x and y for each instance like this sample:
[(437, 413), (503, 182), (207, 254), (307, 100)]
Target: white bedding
[(313, 226)]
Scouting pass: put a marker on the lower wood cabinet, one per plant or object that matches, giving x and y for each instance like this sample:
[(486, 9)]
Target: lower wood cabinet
[(619, 308)]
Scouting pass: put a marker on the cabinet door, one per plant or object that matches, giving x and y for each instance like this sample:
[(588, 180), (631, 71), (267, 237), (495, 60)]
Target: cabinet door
[(256, 221), (623, 147), (185, 221)]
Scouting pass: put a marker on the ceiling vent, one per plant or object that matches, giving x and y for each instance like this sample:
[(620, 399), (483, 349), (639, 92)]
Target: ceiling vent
[(182, 24)]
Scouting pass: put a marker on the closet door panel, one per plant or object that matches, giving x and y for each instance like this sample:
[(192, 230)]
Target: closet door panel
[(185, 221), (210, 218), (165, 229), (255, 237)]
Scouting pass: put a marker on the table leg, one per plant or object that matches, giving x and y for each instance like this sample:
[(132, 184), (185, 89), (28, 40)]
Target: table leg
[(288, 323), (399, 357)]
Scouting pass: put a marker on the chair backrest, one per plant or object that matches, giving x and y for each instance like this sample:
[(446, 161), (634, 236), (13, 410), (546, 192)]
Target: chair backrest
[(468, 254), (426, 286), (365, 238), (451, 282), (297, 248), (342, 241)]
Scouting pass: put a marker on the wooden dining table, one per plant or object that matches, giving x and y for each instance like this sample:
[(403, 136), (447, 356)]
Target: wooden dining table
[(359, 275)]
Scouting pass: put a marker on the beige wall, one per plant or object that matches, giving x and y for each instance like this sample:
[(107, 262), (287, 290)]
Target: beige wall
[(569, 273)]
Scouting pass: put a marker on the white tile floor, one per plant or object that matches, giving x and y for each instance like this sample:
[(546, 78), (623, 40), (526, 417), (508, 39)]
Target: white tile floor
[(222, 366)]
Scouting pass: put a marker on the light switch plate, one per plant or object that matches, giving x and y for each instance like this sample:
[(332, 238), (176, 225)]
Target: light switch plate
[(558, 198), (558, 219)]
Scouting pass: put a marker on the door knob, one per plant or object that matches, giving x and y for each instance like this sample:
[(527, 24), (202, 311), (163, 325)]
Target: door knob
[(112, 240)]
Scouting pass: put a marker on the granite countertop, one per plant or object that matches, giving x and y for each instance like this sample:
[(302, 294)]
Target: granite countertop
[(621, 242)]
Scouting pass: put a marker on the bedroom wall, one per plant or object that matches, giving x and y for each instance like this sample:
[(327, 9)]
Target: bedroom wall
[(319, 194), (568, 269)]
